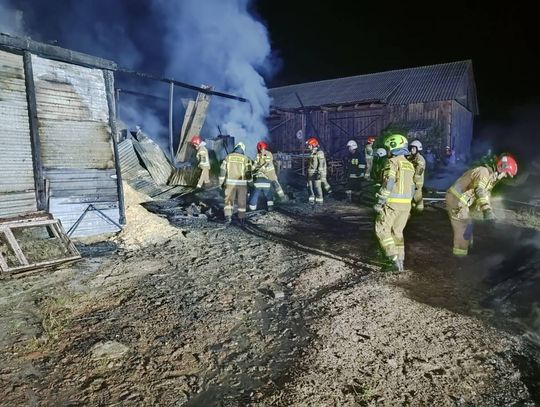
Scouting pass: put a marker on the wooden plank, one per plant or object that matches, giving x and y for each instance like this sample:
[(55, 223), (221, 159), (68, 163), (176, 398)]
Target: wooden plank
[(188, 116), (109, 88), (15, 246), (195, 124), (3, 264)]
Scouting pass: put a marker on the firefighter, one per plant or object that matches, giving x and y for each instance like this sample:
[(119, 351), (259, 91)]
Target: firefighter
[(264, 175), (235, 172), (203, 161), (395, 196), (354, 169), (368, 153), (472, 190), (316, 171), (419, 169)]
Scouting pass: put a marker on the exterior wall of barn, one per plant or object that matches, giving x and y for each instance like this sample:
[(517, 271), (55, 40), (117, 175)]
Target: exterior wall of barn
[(436, 124), (333, 127)]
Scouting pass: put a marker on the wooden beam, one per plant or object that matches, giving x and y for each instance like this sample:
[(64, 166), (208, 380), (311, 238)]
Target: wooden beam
[(10, 43), (109, 90), (35, 142)]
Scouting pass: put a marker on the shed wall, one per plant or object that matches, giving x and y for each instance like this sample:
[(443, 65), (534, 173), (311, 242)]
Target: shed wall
[(77, 153), (17, 188)]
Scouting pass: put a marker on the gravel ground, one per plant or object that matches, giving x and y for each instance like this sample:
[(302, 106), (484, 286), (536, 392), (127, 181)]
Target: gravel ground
[(290, 311)]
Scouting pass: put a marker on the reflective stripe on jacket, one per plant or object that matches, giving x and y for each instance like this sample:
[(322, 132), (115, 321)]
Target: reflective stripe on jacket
[(398, 184), (264, 166), (317, 163), (203, 160), (235, 170), (474, 187)]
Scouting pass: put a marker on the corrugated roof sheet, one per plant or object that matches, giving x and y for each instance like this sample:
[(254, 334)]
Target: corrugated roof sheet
[(404, 86)]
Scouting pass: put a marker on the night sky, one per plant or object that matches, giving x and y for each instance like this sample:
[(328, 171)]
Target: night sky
[(327, 39)]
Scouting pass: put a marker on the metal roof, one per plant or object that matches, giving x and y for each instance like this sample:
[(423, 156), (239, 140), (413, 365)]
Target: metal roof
[(447, 81)]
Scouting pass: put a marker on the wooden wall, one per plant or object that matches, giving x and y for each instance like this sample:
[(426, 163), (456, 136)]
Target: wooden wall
[(447, 123)]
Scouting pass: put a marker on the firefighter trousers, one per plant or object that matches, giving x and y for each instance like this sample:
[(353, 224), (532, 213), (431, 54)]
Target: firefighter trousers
[(418, 200), (267, 193), (462, 225), (389, 227), (204, 178), (369, 166), (235, 194), (315, 191)]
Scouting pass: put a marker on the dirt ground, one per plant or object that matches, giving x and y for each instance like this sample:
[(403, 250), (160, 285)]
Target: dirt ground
[(291, 310)]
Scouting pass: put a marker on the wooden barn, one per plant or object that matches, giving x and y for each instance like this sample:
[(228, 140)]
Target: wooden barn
[(57, 150), (435, 104)]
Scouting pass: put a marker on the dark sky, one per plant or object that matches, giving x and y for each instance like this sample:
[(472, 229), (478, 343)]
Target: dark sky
[(328, 39)]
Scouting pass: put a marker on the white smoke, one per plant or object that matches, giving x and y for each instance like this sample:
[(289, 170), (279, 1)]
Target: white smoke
[(218, 42), (11, 19)]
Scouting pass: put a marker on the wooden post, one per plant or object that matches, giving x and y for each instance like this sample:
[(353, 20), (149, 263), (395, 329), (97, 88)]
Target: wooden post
[(109, 91), (39, 178), (171, 101), (117, 104)]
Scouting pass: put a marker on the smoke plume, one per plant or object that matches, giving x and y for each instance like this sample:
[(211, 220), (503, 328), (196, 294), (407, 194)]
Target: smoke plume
[(214, 42)]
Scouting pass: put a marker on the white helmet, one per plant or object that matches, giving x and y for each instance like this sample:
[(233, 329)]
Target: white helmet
[(380, 152), (417, 144), (352, 144)]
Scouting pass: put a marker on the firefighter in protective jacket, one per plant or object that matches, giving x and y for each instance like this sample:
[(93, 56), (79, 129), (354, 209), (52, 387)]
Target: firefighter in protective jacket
[(203, 161), (472, 191), (264, 178), (355, 169), (395, 198), (419, 170), (368, 152), (235, 173), (316, 171)]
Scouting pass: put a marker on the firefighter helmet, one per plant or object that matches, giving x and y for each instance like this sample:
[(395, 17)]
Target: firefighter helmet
[(312, 141), (380, 152), (241, 146), (417, 144), (508, 164), (351, 144), (261, 145), (395, 142), (371, 139), (196, 140)]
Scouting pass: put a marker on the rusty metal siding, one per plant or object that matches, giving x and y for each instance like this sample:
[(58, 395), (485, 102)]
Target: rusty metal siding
[(77, 153), (17, 188)]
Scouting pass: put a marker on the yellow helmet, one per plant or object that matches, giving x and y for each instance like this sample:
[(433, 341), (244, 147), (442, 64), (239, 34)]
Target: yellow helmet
[(396, 142)]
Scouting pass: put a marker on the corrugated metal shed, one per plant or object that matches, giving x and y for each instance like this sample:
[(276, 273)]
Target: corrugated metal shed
[(153, 159), (17, 188), (424, 84), (77, 153), (138, 177)]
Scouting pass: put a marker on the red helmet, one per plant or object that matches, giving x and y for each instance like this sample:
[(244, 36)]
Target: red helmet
[(313, 142), (261, 145), (371, 139), (508, 164), (196, 140)]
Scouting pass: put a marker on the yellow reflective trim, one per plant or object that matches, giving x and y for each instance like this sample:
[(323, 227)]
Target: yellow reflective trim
[(400, 200), (459, 196), (459, 252)]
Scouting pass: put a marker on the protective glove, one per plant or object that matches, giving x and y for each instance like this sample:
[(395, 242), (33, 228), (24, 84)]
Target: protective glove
[(489, 216), (378, 208)]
